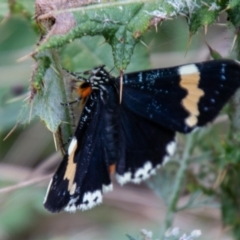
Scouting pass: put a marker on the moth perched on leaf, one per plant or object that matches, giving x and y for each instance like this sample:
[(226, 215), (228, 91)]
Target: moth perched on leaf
[(132, 139)]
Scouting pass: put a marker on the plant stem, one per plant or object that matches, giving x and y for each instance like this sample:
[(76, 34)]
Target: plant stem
[(172, 207)]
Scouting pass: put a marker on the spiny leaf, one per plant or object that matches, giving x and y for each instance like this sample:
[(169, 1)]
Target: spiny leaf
[(204, 16), (121, 24), (47, 93)]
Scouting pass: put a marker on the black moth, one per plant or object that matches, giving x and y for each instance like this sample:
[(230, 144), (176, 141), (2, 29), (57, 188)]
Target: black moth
[(135, 137)]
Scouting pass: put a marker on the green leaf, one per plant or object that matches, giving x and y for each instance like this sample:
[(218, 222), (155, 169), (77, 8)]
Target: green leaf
[(122, 44), (114, 23), (203, 17), (48, 90), (121, 24), (98, 52)]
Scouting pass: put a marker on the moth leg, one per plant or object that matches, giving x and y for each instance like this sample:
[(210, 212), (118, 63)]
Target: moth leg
[(77, 100)]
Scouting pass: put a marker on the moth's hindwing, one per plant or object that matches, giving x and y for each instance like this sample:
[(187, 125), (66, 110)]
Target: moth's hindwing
[(145, 147)]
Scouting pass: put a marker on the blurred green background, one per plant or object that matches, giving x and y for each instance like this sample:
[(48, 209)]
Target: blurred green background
[(29, 149)]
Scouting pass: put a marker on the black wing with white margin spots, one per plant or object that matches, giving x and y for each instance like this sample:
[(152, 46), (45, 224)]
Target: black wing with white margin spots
[(135, 137)]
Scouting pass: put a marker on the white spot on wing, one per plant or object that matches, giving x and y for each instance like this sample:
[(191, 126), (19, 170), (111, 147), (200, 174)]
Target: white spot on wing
[(188, 69), (158, 166), (90, 200), (107, 188), (72, 145), (165, 160), (48, 189), (122, 179), (171, 147), (140, 174), (143, 173), (71, 207), (152, 171)]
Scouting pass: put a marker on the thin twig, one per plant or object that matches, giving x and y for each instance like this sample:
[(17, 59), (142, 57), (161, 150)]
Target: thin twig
[(25, 183)]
